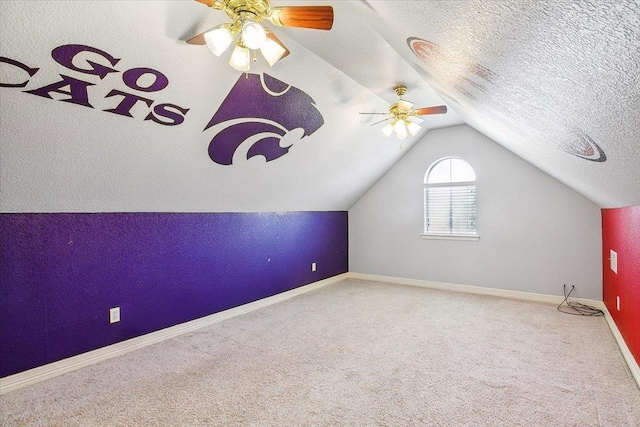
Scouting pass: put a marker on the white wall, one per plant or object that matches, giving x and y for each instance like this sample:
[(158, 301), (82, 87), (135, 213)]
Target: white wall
[(536, 234)]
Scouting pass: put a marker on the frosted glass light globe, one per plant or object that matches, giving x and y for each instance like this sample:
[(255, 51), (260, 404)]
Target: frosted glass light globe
[(240, 59), (401, 129), (253, 35), (218, 39)]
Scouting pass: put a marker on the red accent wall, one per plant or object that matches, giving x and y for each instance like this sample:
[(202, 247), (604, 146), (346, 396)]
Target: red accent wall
[(621, 232)]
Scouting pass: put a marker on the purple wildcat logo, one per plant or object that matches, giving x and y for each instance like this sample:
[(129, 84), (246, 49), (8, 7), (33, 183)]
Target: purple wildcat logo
[(258, 112)]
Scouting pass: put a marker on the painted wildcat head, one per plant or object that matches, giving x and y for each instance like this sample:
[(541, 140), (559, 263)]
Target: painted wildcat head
[(258, 112)]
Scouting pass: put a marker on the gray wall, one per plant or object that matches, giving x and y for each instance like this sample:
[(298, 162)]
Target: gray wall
[(535, 233)]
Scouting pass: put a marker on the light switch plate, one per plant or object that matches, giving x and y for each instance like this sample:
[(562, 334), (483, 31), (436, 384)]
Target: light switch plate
[(613, 259)]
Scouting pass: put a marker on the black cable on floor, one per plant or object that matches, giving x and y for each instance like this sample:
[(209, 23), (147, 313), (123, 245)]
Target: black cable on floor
[(577, 309)]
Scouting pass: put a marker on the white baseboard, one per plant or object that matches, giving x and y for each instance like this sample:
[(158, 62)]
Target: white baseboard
[(553, 299), (527, 296), (626, 353), (51, 370)]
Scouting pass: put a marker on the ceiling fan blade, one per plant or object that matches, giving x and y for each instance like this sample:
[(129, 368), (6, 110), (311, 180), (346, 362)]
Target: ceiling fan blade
[(199, 39), (384, 120), (314, 17), (404, 105), (373, 113), (209, 3), (441, 109)]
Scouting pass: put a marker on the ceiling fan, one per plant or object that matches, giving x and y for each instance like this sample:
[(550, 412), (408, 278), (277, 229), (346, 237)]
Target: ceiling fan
[(246, 16), (403, 118)]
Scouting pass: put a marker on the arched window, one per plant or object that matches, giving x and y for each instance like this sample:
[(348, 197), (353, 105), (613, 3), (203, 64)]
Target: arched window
[(450, 199)]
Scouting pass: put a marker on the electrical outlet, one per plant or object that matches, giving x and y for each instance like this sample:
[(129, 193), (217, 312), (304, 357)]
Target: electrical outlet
[(313, 266), (618, 302), (114, 315)]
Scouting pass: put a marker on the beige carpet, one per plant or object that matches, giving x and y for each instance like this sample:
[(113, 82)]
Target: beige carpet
[(359, 354)]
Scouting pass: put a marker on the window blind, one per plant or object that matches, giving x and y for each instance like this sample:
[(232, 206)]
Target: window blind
[(450, 209)]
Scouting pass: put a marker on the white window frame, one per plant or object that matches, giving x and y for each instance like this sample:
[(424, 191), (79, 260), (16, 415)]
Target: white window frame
[(447, 236)]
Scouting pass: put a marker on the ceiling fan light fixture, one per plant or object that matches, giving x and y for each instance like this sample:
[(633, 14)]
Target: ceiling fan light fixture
[(253, 35), (400, 129), (273, 50), (415, 119), (240, 58), (246, 18), (388, 130), (413, 128), (219, 38)]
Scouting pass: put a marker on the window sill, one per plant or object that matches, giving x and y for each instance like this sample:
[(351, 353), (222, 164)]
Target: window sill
[(450, 237)]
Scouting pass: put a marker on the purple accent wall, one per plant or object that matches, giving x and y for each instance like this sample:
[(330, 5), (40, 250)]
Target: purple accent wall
[(62, 272)]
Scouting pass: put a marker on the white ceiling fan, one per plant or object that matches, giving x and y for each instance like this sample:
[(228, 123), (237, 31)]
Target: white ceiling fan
[(246, 17), (402, 118)]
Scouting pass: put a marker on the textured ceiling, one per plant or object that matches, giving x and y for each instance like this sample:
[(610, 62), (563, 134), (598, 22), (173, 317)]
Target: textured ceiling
[(173, 128), (556, 82)]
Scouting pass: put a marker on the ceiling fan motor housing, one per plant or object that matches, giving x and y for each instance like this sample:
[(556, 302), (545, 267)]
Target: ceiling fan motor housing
[(397, 112), (400, 90), (239, 10)]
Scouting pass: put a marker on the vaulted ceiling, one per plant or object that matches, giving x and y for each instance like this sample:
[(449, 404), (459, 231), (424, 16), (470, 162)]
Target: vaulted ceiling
[(105, 107)]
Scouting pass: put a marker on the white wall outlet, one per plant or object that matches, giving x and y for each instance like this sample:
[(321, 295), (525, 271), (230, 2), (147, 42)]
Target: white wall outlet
[(314, 266), (114, 315), (618, 302), (613, 259)]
